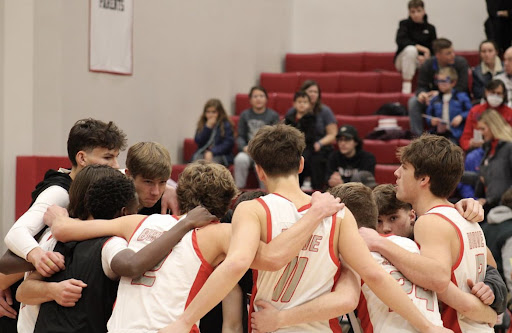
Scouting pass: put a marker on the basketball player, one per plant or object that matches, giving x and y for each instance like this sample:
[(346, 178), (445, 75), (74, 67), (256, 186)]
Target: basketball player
[(452, 249), (277, 154)]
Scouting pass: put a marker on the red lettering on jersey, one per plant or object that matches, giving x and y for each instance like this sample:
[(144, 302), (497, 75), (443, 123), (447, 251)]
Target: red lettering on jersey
[(476, 239), (315, 242), (149, 235)]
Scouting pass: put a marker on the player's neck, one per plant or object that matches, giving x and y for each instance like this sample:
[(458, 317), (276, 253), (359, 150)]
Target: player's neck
[(426, 201), (288, 187)]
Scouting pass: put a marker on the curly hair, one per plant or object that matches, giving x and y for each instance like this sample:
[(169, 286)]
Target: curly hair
[(208, 184), (107, 196), (81, 184), (87, 134)]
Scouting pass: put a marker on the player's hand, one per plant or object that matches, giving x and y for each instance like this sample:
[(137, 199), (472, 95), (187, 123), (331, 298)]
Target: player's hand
[(6, 309), (170, 200), (199, 217), (325, 204), (470, 209), (266, 319), (177, 327), (67, 292), (52, 213), (482, 291), (371, 237), (46, 263)]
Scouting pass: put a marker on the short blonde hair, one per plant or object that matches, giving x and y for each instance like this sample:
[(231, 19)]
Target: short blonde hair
[(360, 200), (151, 160)]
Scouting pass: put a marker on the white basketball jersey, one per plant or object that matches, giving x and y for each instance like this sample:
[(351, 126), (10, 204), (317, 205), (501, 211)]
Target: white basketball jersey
[(376, 316), (28, 313), (159, 296), (471, 264), (311, 273)]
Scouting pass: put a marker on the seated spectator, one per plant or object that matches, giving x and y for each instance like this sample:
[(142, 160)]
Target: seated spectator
[(496, 167), (414, 40), (444, 56), (495, 97), (447, 111), (499, 23), (350, 162), (214, 134), (325, 131), (489, 66), (251, 120), (507, 74)]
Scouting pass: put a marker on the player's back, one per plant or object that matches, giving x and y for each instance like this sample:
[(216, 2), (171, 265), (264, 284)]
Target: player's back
[(471, 264), (310, 274), (160, 295), (376, 316)]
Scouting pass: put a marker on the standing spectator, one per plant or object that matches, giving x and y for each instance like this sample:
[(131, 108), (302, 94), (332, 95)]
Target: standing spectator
[(506, 76), (496, 167), (251, 120), (489, 66), (214, 134), (448, 111), (350, 160), (495, 97), (325, 131), (414, 40), (443, 56), (498, 26)]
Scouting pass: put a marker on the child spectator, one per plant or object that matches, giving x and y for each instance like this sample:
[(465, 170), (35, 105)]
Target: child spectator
[(414, 40), (214, 134), (447, 112)]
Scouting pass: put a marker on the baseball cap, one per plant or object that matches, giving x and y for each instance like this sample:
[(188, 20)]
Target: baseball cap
[(348, 131)]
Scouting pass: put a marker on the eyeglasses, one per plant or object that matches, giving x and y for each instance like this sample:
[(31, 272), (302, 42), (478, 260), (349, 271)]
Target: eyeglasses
[(447, 80)]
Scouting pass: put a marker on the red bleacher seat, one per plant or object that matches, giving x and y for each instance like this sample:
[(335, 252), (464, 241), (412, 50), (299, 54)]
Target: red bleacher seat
[(359, 81), (369, 103), (235, 120), (343, 62), (473, 57), (177, 169), (283, 102), (378, 61), (304, 62), (384, 173), (189, 148), (280, 82), (363, 124), (30, 171), (384, 151), (241, 103), (390, 82), (404, 99), (402, 122), (329, 82), (342, 103)]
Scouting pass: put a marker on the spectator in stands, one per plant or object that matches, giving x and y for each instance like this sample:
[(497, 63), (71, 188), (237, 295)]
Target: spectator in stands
[(499, 24), (495, 97), (325, 132), (496, 167), (350, 163), (214, 134), (414, 39), (506, 77), (250, 122), (444, 56), (489, 66), (447, 111)]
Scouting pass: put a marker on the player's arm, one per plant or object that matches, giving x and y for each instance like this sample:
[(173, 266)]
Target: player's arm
[(232, 307), (11, 263), (342, 300), (8, 280), (354, 251), (133, 264), (432, 268), (244, 243), (34, 291), (468, 305), (281, 250)]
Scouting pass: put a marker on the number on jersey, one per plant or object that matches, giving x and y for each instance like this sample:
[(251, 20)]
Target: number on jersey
[(289, 280)]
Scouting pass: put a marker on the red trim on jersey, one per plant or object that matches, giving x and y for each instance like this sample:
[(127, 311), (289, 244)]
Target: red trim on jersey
[(450, 206), (253, 295), (282, 196), (199, 254), (138, 226), (461, 240), (269, 219), (333, 255), (449, 315), (108, 240), (387, 235), (303, 208), (176, 217), (334, 324), (363, 314)]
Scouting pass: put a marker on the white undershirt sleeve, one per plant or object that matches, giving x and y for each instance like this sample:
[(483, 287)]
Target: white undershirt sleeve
[(111, 247)]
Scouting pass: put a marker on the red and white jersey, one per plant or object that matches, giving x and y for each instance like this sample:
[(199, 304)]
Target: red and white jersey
[(159, 296), (375, 316), (311, 273), (471, 264)]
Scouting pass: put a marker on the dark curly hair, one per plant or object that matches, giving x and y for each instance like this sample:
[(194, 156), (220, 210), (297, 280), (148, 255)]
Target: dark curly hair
[(107, 196)]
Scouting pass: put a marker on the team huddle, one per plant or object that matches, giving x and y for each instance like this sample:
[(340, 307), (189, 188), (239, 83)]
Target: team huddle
[(112, 262)]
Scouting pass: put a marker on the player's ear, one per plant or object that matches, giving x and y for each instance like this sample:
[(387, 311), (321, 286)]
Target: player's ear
[(301, 165), (412, 216), (81, 158), (128, 173), (260, 172), (425, 180)]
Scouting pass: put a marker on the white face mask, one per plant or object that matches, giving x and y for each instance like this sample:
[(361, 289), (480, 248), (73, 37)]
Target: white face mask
[(494, 100)]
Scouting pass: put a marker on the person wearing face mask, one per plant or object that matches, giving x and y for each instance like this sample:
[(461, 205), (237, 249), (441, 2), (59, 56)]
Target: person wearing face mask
[(489, 66), (496, 98)]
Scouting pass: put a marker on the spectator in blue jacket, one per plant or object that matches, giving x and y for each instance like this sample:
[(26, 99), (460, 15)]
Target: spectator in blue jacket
[(447, 111), (214, 134)]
